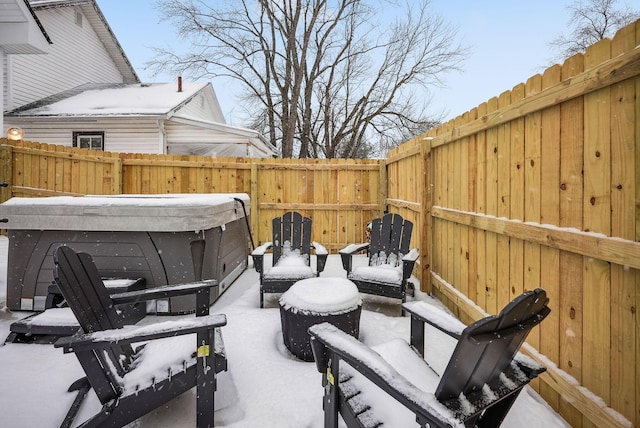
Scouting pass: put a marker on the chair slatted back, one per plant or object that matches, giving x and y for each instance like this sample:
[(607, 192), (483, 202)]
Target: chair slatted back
[(295, 229), (81, 285), (488, 346), (390, 235)]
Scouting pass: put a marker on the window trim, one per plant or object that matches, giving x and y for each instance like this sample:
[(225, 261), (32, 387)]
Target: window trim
[(77, 134)]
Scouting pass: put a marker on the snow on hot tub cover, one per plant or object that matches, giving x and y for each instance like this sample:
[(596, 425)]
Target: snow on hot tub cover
[(149, 213)]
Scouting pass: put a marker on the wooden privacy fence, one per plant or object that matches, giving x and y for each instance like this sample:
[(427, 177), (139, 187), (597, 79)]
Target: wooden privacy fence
[(539, 187), (405, 193), (34, 169), (341, 196)]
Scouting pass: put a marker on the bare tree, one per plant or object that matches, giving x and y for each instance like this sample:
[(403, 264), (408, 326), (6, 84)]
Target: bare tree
[(322, 78), (591, 21)]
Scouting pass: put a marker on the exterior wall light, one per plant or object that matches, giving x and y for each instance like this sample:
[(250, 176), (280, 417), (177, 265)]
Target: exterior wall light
[(15, 133)]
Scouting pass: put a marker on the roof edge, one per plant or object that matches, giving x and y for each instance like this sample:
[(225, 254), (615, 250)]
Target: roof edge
[(38, 23)]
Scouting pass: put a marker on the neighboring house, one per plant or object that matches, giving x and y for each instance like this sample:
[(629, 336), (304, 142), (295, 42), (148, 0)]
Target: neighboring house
[(20, 33), (84, 92), (172, 118)]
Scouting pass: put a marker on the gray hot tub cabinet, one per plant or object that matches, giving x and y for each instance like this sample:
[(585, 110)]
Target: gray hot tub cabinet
[(165, 239)]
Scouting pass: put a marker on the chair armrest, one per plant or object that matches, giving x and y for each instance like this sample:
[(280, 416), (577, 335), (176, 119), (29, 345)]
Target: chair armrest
[(432, 315), (354, 248), (163, 291), (350, 250), (131, 334), (423, 313), (202, 290), (262, 249), (408, 261), (329, 342), (321, 256), (258, 257), (411, 256)]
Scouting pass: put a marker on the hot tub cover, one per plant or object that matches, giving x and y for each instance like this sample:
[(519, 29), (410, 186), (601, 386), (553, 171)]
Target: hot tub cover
[(150, 213)]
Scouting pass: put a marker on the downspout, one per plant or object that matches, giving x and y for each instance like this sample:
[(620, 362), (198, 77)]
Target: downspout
[(162, 138), (3, 58)]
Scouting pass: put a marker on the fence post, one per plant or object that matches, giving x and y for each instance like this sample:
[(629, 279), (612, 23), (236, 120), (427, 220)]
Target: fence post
[(427, 233), (253, 197), (6, 171), (384, 188), (116, 179)]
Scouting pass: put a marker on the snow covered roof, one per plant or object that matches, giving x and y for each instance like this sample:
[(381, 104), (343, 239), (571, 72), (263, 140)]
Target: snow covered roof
[(159, 99), (153, 100)]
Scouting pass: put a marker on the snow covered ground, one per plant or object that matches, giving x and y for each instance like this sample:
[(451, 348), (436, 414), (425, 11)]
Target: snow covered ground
[(264, 387)]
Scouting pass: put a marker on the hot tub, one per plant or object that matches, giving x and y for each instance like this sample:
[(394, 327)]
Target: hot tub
[(165, 239)]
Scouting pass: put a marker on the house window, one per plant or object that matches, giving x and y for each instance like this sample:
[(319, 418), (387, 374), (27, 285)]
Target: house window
[(89, 140)]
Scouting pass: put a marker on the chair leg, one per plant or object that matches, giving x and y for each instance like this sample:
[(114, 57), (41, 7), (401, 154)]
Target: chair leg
[(82, 386), (494, 415), (331, 396), (206, 380)]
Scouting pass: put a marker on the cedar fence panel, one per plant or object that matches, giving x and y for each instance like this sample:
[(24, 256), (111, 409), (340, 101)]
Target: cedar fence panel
[(539, 187), (405, 189), (34, 169), (341, 196)]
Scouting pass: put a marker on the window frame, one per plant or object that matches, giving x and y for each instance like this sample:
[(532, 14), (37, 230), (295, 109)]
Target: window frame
[(78, 134)]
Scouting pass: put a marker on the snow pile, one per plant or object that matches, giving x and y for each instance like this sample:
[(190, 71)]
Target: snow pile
[(290, 265), (322, 296), (55, 317), (385, 273), (171, 354)]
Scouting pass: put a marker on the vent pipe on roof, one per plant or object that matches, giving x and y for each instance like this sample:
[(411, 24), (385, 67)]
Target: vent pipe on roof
[(179, 83)]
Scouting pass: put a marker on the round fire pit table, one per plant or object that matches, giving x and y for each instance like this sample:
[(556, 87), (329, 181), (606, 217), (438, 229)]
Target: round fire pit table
[(313, 301)]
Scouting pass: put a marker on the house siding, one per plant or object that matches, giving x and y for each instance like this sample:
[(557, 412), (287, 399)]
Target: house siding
[(128, 135), (77, 56), (204, 106), (11, 12)]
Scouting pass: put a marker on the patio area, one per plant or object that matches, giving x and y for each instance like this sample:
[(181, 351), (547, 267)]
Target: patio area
[(264, 386)]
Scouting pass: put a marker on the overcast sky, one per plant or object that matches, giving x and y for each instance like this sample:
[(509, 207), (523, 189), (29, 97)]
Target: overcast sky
[(508, 41)]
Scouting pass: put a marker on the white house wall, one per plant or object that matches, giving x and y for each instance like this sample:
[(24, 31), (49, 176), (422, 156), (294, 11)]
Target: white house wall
[(129, 135), (77, 56), (204, 106)]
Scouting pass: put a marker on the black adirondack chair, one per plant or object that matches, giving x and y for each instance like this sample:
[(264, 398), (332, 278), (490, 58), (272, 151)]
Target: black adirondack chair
[(486, 354), (127, 384), (291, 254), (390, 260)]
